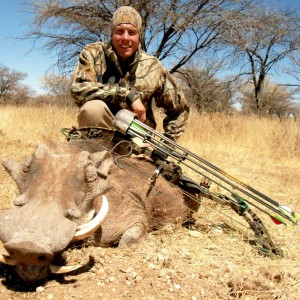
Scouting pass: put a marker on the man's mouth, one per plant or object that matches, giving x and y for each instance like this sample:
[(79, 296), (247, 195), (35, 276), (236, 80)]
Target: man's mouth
[(124, 47)]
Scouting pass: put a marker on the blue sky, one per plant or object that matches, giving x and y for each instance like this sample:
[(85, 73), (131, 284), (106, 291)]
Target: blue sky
[(17, 54), (20, 54)]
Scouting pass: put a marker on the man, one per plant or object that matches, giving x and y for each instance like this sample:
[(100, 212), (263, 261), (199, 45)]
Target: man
[(118, 74)]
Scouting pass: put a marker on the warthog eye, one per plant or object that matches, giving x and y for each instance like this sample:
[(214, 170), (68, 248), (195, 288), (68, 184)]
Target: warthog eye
[(90, 174), (26, 164), (90, 178), (42, 257), (25, 168)]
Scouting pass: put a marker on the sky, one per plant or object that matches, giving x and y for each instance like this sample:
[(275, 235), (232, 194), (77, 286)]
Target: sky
[(24, 56), (21, 55)]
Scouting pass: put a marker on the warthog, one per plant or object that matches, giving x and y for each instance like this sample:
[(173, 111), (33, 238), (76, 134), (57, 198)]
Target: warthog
[(63, 192)]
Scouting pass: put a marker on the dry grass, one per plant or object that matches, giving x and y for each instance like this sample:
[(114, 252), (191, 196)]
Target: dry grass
[(21, 128), (264, 153)]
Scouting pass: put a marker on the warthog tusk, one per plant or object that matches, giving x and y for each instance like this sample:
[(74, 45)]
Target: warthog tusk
[(94, 224), (7, 260), (85, 225), (63, 269)]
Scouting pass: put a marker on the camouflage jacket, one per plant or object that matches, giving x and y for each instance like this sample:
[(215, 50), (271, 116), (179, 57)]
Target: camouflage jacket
[(100, 75)]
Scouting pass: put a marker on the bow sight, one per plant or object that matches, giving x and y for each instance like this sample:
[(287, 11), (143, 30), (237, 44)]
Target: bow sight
[(170, 156)]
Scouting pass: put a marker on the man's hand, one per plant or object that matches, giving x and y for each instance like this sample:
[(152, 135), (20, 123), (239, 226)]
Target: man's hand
[(138, 108), (136, 103)]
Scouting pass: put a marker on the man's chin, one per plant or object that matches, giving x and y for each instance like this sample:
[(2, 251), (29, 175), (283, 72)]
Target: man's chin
[(124, 55)]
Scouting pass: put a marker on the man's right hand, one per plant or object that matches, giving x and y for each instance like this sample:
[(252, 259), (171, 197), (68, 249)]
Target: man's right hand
[(138, 108)]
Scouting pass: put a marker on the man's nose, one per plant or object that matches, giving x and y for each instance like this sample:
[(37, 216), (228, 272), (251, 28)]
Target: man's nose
[(125, 35)]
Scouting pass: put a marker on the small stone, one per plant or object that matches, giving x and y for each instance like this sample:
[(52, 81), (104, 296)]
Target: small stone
[(151, 266), (39, 289), (161, 258), (217, 230), (148, 257), (128, 282), (195, 233), (138, 278), (127, 270), (164, 251), (133, 275)]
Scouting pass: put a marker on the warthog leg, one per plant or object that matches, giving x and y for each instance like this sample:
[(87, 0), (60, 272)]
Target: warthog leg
[(132, 235)]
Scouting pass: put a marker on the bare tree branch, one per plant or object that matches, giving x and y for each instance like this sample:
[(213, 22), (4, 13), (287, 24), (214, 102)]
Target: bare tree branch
[(262, 39), (175, 30)]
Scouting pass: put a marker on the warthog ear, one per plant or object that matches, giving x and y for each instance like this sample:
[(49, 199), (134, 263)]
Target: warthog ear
[(17, 171), (103, 161)]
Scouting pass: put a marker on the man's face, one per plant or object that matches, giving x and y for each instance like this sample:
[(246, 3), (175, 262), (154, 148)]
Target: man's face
[(125, 39)]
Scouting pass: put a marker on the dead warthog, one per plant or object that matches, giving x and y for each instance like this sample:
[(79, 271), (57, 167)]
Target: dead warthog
[(68, 192)]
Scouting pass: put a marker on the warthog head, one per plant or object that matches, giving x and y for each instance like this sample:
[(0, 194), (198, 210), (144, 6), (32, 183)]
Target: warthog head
[(58, 191)]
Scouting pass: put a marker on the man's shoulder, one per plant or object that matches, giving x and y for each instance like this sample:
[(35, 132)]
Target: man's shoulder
[(149, 59), (96, 46), (145, 55)]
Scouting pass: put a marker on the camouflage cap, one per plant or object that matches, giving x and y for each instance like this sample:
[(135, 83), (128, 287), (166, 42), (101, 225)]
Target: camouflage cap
[(127, 15)]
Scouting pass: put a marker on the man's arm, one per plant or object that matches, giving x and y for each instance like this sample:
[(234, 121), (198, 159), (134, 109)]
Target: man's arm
[(176, 107), (85, 85)]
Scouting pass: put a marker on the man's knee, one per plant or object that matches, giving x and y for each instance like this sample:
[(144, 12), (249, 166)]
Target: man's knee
[(95, 113)]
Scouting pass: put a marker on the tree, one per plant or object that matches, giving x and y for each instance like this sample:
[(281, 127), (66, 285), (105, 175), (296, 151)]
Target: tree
[(21, 95), (294, 71), (58, 86), (9, 83), (261, 39), (203, 89), (175, 30), (275, 100)]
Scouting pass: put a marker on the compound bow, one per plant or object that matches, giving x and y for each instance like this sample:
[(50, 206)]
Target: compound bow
[(169, 156)]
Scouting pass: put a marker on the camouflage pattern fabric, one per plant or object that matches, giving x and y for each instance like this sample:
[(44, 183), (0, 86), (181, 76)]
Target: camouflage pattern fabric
[(127, 15), (100, 76)]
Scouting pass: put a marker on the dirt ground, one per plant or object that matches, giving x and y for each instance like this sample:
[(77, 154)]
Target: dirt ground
[(210, 260)]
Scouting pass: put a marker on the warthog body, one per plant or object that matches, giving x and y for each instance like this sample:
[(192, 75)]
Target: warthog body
[(62, 186)]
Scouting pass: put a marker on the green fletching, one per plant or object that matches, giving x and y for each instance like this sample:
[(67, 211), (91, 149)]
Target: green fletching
[(295, 217), (289, 213)]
